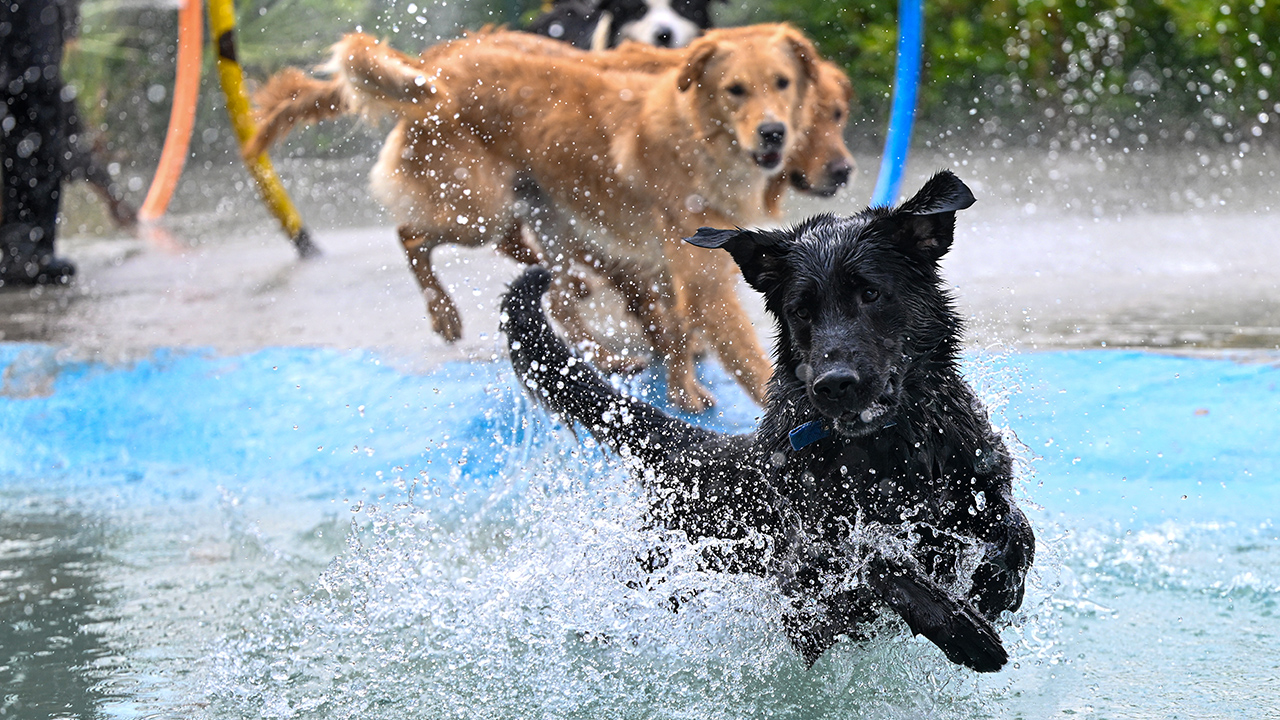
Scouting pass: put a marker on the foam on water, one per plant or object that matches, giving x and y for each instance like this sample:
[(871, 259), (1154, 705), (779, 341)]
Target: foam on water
[(432, 546)]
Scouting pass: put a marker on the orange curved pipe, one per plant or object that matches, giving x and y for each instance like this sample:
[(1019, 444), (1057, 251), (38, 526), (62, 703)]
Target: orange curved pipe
[(182, 116)]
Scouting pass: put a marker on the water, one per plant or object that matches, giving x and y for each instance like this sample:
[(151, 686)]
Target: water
[(427, 544)]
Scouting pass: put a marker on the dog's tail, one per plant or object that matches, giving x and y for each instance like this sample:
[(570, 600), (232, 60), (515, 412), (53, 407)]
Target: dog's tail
[(378, 78), (291, 97), (556, 377), (368, 77)]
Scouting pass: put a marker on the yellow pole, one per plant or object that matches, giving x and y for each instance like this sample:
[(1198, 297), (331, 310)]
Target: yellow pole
[(222, 24)]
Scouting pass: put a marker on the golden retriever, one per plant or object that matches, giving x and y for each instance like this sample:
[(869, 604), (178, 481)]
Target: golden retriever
[(608, 165)]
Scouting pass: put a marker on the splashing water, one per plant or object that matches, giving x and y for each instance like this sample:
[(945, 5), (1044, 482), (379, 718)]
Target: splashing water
[(449, 552)]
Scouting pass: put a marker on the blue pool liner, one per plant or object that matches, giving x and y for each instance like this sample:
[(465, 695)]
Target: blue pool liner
[(1113, 433)]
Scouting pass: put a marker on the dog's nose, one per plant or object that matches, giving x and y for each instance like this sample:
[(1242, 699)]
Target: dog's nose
[(772, 134), (835, 386), (664, 37), (838, 171)]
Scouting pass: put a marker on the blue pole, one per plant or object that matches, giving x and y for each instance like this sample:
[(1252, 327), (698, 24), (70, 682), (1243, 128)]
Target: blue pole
[(906, 85)]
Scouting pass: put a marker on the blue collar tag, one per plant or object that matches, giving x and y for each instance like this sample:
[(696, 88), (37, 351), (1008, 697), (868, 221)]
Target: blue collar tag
[(808, 434)]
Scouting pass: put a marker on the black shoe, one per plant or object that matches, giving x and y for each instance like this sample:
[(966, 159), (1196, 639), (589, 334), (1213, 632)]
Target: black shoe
[(57, 271)]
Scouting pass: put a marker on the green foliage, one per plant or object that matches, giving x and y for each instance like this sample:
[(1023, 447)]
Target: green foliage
[(123, 64), (1027, 70), (271, 34), (1144, 69)]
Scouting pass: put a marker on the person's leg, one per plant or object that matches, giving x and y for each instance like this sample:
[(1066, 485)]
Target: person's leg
[(82, 161), (31, 141)]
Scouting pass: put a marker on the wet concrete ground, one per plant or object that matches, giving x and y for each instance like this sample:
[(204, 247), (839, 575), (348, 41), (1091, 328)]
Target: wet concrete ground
[(1173, 250)]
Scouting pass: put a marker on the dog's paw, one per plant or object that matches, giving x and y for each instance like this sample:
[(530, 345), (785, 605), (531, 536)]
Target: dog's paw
[(692, 399), (445, 322), (956, 627), (618, 364)]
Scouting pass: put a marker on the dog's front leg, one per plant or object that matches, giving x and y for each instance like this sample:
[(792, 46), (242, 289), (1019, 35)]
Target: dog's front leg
[(665, 329), (956, 627), (1000, 579), (712, 304)]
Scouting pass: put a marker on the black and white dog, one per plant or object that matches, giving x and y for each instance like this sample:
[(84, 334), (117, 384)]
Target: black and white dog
[(600, 24), (875, 477)]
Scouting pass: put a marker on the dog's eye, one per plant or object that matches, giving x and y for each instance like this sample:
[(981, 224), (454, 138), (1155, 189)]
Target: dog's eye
[(783, 83), (737, 89), (802, 313), (870, 295), (838, 114)]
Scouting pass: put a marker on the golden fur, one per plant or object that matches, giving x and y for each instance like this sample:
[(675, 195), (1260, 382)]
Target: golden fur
[(609, 163)]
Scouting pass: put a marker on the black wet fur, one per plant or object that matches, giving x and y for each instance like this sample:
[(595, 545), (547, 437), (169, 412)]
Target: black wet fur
[(906, 503)]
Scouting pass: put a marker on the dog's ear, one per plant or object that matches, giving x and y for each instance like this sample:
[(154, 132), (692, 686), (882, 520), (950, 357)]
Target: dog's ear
[(928, 219), (759, 253), (805, 52), (846, 86), (700, 53)]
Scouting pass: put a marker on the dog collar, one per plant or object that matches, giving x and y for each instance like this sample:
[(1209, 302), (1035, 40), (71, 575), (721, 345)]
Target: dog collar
[(808, 434)]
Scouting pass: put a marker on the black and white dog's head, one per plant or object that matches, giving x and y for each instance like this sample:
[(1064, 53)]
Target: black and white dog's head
[(664, 23), (858, 300), (599, 24)]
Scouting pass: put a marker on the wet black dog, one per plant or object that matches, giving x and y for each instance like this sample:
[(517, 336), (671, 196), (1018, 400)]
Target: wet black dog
[(874, 478), (600, 24)]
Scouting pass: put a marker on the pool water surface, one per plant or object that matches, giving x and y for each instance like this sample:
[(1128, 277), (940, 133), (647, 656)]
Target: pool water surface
[(326, 534)]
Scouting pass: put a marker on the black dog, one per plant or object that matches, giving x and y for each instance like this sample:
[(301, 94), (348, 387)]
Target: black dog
[(600, 24), (874, 478)]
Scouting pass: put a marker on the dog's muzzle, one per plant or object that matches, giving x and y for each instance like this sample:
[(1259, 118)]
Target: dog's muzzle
[(837, 174), (772, 139), (852, 404)]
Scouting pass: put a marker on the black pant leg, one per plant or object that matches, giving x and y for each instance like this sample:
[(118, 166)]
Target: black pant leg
[(32, 145)]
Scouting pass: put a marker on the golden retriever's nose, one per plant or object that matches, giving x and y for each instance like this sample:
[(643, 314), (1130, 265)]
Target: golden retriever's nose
[(772, 135), (838, 171)]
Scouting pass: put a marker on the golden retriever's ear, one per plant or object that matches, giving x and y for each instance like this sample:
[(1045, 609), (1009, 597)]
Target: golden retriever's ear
[(805, 52), (700, 53), (847, 86)]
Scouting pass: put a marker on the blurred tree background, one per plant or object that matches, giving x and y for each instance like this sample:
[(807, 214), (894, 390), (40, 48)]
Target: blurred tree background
[(1137, 71), (1062, 73), (123, 63)]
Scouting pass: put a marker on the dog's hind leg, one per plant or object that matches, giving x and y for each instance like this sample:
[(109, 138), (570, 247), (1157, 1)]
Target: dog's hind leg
[(446, 190), (418, 245)]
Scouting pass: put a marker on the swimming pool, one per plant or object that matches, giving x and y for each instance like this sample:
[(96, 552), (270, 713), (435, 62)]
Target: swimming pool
[(316, 533)]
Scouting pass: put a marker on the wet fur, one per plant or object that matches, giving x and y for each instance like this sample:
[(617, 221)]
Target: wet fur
[(885, 510), (635, 159)]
